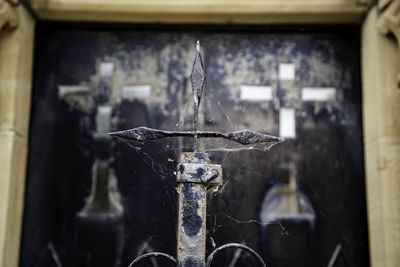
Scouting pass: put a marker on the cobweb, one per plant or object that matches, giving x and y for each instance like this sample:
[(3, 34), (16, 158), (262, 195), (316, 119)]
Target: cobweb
[(220, 151), (247, 204)]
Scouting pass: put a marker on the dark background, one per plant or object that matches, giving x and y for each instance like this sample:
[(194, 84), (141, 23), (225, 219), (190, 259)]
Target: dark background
[(327, 152)]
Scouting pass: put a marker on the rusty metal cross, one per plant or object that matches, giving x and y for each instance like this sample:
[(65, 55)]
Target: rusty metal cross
[(195, 176)]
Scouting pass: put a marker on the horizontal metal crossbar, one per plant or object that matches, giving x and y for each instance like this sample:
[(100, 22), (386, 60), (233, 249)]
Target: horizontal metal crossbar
[(244, 137)]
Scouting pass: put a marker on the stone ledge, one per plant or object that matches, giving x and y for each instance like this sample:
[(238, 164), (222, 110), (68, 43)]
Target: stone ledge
[(205, 11)]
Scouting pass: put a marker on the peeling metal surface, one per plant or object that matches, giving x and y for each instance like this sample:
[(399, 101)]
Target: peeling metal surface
[(193, 200), (192, 217), (210, 174)]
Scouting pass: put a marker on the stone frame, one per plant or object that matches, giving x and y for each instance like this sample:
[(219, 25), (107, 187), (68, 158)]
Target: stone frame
[(381, 95)]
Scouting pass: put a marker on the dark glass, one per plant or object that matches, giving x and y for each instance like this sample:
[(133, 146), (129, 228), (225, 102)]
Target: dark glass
[(294, 204)]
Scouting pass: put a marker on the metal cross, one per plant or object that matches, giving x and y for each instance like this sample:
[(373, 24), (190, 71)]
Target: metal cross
[(195, 175)]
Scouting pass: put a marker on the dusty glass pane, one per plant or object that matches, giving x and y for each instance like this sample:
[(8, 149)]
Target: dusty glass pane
[(91, 201)]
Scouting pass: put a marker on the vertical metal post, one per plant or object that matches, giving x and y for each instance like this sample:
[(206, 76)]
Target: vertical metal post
[(192, 216), (195, 175)]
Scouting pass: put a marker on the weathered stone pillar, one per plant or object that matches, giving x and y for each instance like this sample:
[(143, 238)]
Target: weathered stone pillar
[(16, 52), (381, 119)]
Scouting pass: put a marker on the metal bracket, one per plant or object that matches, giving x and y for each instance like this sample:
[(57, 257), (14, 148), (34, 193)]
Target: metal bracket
[(210, 174)]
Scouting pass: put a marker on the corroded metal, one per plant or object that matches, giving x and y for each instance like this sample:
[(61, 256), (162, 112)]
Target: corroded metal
[(244, 137), (210, 174), (197, 78), (195, 176), (192, 207)]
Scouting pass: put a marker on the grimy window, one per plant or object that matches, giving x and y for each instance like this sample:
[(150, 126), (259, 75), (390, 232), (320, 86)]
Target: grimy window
[(95, 202)]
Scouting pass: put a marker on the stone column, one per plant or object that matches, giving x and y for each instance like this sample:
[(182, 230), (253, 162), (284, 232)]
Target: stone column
[(381, 121), (16, 52)]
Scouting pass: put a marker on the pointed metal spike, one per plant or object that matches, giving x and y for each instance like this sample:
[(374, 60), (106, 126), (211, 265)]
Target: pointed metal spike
[(197, 78), (247, 137), (140, 134)]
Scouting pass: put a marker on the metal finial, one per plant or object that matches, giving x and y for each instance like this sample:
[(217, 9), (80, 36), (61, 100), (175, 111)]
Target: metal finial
[(197, 78)]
